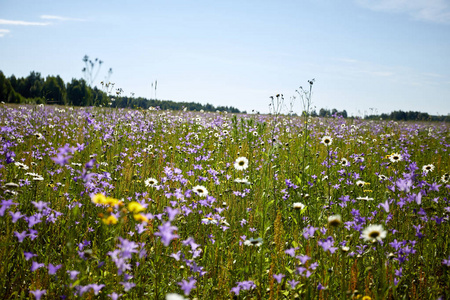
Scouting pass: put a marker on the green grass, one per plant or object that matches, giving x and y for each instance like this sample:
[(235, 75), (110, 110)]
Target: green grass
[(184, 149)]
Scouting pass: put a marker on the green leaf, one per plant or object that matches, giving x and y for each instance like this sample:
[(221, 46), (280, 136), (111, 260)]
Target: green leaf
[(75, 211), (303, 210), (289, 270), (75, 283)]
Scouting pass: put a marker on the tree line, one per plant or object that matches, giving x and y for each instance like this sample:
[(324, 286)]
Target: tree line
[(329, 113), (397, 115), (400, 115), (34, 89)]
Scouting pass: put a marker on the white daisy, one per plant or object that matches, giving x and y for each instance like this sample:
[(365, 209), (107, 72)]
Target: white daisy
[(344, 162), (298, 205), (254, 242), (38, 178), (200, 190), (334, 220), (445, 178), (21, 166), (32, 174), (395, 157), (366, 198), (224, 222), (360, 183), (151, 182), (428, 168), (11, 185), (374, 233), (243, 180), (327, 140), (382, 177), (174, 296), (207, 221), (358, 159), (241, 163)]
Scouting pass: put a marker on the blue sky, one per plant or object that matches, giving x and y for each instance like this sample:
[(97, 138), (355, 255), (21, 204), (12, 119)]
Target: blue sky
[(365, 55)]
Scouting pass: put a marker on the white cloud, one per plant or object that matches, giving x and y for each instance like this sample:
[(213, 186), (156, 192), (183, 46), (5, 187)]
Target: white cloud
[(22, 23), (357, 67), (433, 75), (60, 18), (381, 73), (436, 11), (3, 32), (353, 69), (347, 60)]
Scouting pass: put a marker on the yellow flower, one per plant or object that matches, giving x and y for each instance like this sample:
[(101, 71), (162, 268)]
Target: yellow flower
[(98, 199), (135, 207), (140, 218), (366, 298), (110, 220), (111, 201)]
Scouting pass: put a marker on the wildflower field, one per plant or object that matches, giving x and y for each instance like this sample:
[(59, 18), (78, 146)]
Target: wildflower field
[(102, 203)]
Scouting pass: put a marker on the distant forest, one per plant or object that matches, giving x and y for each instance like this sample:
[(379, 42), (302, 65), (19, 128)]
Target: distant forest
[(397, 115), (34, 89)]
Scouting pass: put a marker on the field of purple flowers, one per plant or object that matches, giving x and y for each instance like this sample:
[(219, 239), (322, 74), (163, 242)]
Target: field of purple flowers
[(101, 203)]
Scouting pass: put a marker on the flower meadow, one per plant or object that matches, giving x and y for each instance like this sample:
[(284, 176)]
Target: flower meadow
[(101, 203)]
